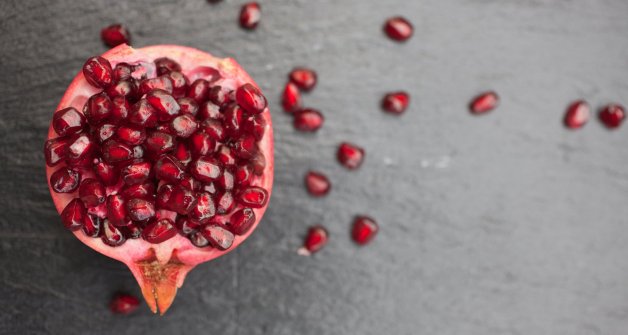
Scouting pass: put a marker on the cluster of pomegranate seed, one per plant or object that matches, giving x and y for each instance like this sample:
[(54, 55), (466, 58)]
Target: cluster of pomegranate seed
[(150, 157), (578, 114), (363, 230), (305, 119), (115, 35)]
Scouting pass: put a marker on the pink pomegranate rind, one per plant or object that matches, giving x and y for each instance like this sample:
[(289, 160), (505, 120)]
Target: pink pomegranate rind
[(161, 268)]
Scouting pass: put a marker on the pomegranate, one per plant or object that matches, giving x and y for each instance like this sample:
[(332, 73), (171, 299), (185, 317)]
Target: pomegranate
[(577, 114), (398, 29), (315, 240), (250, 15), (484, 103), (303, 78), (317, 184), (396, 102), (115, 35), (364, 230), (308, 120), (612, 115), (148, 180), (350, 155)]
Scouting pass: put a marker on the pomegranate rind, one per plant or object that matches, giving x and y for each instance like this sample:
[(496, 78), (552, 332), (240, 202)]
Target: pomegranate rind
[(174, 258)]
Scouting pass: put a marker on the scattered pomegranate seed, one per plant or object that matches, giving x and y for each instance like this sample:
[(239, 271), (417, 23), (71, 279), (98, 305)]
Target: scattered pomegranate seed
[(115, 35), (315, 240), (577, 114), (303, 78), (291, 99), (484, 102), (364, 229), (612, 115), (350, 155), (250, 15), (251, 99), (124, 304), (396, 102), (308, 120), (317, 183), (398, 28), (98, 72)]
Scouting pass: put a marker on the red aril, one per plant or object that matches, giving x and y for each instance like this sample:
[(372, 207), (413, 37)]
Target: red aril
[(291, 98), (115, 35), (398, 29), (250, 15), (124, 304), (317, 184), (364, 230), (484, 102), (308, 120), (396, 102), (350, 155), (577, 114), (124, 148), (612, 115), (303, 78), (315, 240)]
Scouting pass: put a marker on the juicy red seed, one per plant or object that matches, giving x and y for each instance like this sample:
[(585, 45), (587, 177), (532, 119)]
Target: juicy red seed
[(111, 235), (97, 109), (166, 65), (56, 150), (258, 163), (204, 208), (218, 236), (142, 191), (180, 200), (164, 193), (82, 146), (138, 152), (159, 143), (119, 109), (291, 98), (115, 35), (206, 169), (92, 192), (242, 221), (98, 72), (255, 197), (201, 144), (65, 180), (132, 231), (226, 180), (398, 28), (105, 132), (245, 147), (168, 169), (395, 102), (183, 154), (251, 99), (188, 106), (91, 225), (316, 239), (179, 84), (68, 121), (143, 114), (250, 15), (198, 240), (214, 129), (350, 155), (577, 114), (158, 83), (226, 156), (165, 104), (190, 183), (124, 304), (225, 203), (131, 135), (209, 188), (159, 231), (612, 115), (184, 125), (220, 95), (256, 125), (123, 88), (209, 110), (136, 173), (303, 78), (484, 102), (108, 174), (234, 116), (317, 183), (185, 226), (113, 152), (122, 71), (243, 175), (364, 229), (199, 90), (308, 120), (74, 214), (140, 210), (116, 210)]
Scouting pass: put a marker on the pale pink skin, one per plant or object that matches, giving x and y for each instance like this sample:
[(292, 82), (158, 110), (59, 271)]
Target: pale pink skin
[(160, 293)]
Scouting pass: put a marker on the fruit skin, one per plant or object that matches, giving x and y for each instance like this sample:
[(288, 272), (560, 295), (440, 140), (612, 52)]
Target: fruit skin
[(174, 258)]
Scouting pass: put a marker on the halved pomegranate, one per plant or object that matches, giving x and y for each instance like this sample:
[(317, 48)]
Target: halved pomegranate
[(125, 170)]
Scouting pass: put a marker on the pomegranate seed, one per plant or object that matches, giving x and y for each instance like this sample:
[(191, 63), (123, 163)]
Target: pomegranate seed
[(131, 135), (143, 114), (166, 65), (183, 154), (234, 116), (159, 231), (612, 115), (218, 236), (214, 129), (291, 99), (484, 102), (159, 143), (98, 72), (159, 83), (206, 169), (245, 147), (82, 146), (241, 221), (224, 203), (92, 192), (250, 15), (136, 173), (221, 96), (204, 208), (309, 120), (115, 35), (258, 163), (114, 152), (56, 150), (97, 109), (108, 174), (131, 231), (398, 28), (164, 193), (180, 200), (226, 180), (199, 90), (165, 104), (255, 125), (105, 132), (138, 152), (116, 210), (255, 197), (122, 71), (184, 125), (124, 304), (68, 121), (119, 110), (396, 102), (65, 180), (198, 240), (91, 225), (139, 191), (209, 110), (140, 210), (226, 156), (74, 214), (209, 188), (317, 184), (190, 183), (350, 155), (111, 235), (201, 144), (251, 99), (123, 88), (315, 240), (364, 230), (168, 169), (185, 226), (243, 175), (188, 106), (179, 84), (304, 78), (577, 114)]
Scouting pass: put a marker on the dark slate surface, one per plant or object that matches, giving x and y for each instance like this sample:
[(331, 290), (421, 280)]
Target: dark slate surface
[(493, 225)]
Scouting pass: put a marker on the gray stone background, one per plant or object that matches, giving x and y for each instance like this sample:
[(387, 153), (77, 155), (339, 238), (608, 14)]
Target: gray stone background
[(500, 224)]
